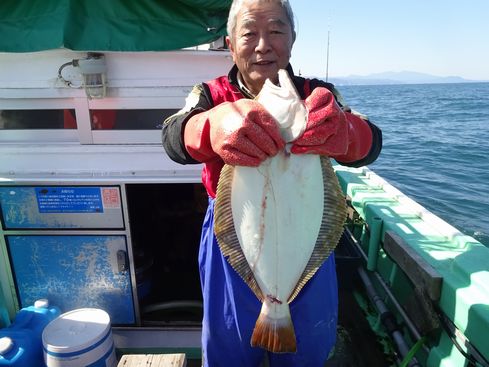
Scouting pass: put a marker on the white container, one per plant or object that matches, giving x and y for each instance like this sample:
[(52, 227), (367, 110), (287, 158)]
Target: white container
[(79, 338)]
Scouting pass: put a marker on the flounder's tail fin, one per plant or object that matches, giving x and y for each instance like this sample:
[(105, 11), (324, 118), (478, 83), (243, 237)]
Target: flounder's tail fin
[(274, 331)]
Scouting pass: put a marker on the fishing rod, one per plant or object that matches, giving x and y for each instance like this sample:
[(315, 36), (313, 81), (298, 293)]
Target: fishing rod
[(327, 57)]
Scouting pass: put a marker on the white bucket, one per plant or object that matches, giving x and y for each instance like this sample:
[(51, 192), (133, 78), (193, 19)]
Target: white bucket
[(79, 338)]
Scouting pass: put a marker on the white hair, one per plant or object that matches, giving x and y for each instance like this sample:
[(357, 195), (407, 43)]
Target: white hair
[(237, 4)]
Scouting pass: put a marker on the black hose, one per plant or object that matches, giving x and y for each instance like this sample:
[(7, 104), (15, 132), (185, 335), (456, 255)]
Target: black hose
[(387, 318)]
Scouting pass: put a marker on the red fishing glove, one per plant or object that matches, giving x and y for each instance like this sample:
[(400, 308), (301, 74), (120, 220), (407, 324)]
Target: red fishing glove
[(360, 139), (242, 133), (326, 129)]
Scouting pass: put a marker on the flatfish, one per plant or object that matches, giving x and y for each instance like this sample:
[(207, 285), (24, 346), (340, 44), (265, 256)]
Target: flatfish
[(278, 222)]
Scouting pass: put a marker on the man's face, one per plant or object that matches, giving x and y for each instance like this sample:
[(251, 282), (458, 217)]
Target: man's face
[(262, 42)]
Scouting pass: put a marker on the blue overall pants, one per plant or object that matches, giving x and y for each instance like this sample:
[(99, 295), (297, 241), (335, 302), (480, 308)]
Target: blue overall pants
[(231, 310)]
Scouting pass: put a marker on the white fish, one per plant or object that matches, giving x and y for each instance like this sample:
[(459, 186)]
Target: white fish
[(278, 222)]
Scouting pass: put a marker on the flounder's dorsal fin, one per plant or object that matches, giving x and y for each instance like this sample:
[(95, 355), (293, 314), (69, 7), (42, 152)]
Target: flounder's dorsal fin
[(334, 215), (225, 232)]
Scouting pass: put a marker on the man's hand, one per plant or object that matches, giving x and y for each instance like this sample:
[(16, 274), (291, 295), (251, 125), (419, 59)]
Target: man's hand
[(242, 133), (327, 127)]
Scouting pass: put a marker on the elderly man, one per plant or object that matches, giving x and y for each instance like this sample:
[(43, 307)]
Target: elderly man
[(221, 123)]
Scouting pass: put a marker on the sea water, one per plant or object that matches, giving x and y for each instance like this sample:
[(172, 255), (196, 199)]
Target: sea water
[(436, 146)]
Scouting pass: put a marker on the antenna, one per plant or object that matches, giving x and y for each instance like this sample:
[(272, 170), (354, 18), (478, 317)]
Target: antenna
[(327, 58)]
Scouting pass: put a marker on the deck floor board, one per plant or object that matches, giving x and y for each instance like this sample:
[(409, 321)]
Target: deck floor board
[(153, 360)]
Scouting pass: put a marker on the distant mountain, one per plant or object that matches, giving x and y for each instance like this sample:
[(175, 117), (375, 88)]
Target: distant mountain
[(401, 77)]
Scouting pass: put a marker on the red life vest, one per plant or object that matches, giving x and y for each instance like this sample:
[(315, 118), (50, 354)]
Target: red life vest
[(221, 91)]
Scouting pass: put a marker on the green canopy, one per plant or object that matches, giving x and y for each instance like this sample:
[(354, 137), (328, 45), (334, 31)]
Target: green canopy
[(110, 25)]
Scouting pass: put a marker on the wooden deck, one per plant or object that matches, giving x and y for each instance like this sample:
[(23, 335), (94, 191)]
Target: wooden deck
[(153, 360)]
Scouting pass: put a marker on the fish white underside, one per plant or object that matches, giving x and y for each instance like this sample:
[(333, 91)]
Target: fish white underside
[(277, 211)]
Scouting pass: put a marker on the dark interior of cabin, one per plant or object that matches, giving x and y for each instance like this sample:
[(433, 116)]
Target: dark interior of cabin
[(165, 221)]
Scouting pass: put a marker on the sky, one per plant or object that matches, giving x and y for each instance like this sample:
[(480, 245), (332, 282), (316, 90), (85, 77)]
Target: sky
[(438, 37)]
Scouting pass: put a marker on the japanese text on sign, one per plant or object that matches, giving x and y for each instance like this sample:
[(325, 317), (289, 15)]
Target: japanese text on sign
[(69, 199)]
